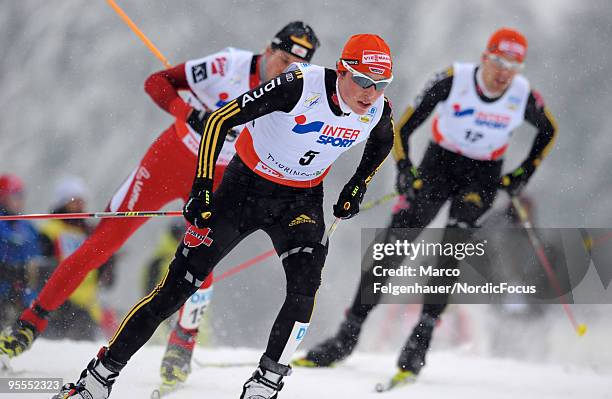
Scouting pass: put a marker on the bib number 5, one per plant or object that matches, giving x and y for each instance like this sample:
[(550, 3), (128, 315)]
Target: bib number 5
[(308, 157)]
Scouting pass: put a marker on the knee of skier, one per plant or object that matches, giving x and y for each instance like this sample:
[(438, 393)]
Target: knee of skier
[(303, 269), (173, 290)]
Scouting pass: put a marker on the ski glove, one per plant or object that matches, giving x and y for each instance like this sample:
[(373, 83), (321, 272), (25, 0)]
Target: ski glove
[(350, 197), (515, 181), (198, 208), (197, 120), (408, 179)]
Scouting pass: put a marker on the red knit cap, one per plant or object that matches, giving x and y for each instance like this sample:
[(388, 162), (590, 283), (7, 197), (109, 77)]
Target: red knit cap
[(508, 42), (367, 53)]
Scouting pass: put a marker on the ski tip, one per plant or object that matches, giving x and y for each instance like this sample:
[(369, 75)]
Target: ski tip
[(5, 365), (165, 389), (303, 362), (401, 378)]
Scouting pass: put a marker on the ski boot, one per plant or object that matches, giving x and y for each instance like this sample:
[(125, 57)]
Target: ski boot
[(96, 381), (412, 357), (176, 363), (334, 349), (266, 381), (16, 340)]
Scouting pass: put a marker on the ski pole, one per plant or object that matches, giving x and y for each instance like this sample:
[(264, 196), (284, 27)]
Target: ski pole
[(329, 232), (144, 214), (371, 204), (95, 215), (139, 33), (244, 265), (539, 249)]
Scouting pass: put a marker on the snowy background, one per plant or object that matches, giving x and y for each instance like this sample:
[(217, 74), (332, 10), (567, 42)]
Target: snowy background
[(72, 101)]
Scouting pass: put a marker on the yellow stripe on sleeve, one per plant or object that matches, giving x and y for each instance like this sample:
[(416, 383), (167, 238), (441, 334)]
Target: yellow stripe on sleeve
[(551, 143), (208, 137), (399, 152), (211, 161)]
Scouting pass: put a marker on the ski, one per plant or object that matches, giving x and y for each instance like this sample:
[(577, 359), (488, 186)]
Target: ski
[(401, 378), (5, 364), (165, 390)]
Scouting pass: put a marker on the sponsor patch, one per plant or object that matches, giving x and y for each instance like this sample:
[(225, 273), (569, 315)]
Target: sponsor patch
[(301, 127), (257, 93), (512, 48), (218, 66), (198, 72), (312, 99), (195, 237), (377, 58), (301, 219), (262, 167), (299, 51), (458, 112), (142, 174), (495, 121), (223, 99), (365, 118), (473, 198)]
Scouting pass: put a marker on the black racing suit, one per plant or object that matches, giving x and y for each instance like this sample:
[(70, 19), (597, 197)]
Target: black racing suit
[(471, 186), (246, 202)]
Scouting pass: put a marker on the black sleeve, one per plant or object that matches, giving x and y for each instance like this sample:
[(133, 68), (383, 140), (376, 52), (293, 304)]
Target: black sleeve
[(377, 146), (537, 114), (279, 94), (436, 90)]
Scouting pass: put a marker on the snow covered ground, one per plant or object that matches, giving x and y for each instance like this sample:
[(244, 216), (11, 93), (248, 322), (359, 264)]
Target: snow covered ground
[(449, 374)]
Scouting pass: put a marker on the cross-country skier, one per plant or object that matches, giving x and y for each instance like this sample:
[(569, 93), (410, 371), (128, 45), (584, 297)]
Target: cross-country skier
[(478, 106), (297, 125), (165, 174)]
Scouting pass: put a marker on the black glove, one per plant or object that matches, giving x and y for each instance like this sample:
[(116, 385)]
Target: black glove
[(515, 181), (349, 199), (197, 120), (408, 179), (198, 208), (232, 135)]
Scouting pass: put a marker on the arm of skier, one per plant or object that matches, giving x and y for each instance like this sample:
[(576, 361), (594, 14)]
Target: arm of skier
[(279, 94), (538, 115), (438, 89), (377, 148)]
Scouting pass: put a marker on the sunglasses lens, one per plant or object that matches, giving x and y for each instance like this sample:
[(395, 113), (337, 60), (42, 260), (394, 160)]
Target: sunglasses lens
[(365, 83), (505, 64), (362, 82), (381, 85)]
